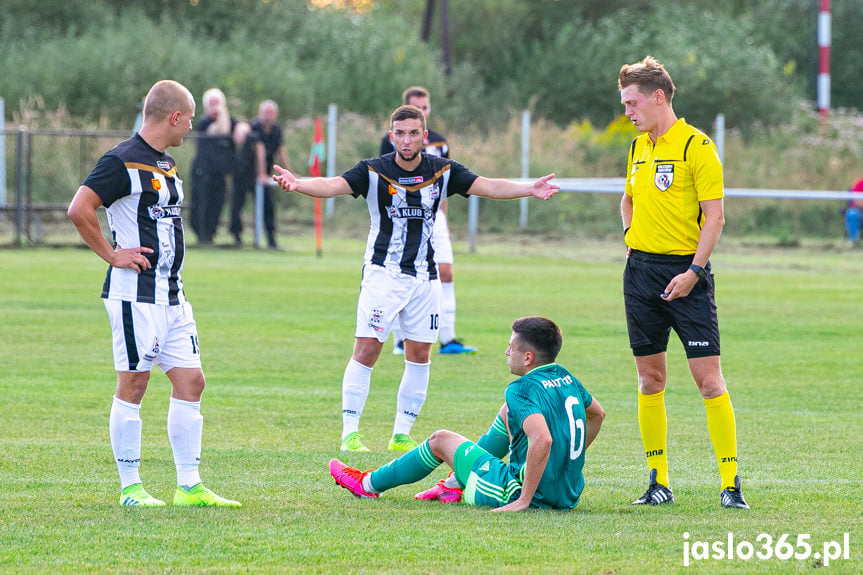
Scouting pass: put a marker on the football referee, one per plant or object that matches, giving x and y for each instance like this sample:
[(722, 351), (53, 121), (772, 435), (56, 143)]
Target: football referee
[(672, 212)]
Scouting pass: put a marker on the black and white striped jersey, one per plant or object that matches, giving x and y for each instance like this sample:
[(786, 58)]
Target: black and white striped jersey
[(403, 205), (142, 195)]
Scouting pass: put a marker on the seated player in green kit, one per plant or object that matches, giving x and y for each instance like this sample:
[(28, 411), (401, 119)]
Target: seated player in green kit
[(549, 420)]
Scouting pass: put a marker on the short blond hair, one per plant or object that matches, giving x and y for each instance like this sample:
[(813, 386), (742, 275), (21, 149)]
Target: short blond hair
[(165, 98), (649, 75)]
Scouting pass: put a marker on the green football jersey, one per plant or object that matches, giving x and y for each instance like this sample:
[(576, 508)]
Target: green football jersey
[(555, 393)]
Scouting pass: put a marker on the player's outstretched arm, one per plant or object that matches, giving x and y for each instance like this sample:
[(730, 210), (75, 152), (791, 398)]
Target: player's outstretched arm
[(82, 212), (314, 187), (502, 189)]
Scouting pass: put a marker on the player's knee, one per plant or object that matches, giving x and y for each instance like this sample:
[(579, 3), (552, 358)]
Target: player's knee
[(712, 386), (366, 351), (438, 436), (200, 382), (651, 381), (446, 274), (438, 439), (131, 386)]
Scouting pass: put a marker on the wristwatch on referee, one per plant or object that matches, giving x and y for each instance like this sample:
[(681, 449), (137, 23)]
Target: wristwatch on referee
[(699, 271)]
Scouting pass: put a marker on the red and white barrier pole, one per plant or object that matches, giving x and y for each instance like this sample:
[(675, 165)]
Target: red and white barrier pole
[(824, 59)]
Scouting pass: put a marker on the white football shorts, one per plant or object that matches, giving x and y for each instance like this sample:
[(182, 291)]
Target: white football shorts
[(147, 334), (387, 296), (441, 241)]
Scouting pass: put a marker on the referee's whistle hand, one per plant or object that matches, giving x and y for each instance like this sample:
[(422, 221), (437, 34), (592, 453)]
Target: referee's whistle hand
[(679, 286)]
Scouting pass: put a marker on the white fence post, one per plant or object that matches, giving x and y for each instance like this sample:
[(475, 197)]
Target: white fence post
[(525, 165), (472, 219), (2, 155), (259, 213), (719, 138), (332, 133)]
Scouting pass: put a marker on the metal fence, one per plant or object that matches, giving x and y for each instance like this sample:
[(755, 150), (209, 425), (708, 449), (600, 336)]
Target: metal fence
[(43, 169)]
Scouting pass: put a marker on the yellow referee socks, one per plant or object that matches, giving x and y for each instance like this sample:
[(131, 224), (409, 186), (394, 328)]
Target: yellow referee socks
[(653, 424), (723, 433)]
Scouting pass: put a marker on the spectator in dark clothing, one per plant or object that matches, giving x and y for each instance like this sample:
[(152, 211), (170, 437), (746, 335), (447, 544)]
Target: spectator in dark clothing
[(262, 148), (213, 162)]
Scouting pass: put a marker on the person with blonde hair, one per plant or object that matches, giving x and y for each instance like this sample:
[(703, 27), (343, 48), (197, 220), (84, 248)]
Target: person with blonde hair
[(672, 213), (213, 163)]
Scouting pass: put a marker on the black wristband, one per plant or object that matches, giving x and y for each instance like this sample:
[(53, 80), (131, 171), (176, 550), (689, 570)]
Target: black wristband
[(624, 232), (699, 271)]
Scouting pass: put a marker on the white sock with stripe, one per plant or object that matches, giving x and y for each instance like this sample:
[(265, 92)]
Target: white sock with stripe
[(185, 429), (125, 431), (412, 395), (447, 312), (355, 389)]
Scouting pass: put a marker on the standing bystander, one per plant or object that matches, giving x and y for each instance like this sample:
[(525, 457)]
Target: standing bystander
[(852, 214), (151, 321), (264, 147), (436, 145), (672, 212), (400, 281), (213, 163)]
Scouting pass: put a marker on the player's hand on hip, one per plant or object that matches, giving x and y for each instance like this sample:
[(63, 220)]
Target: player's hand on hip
[(132, 258), (543, 189), (285, 179), (679, 286)]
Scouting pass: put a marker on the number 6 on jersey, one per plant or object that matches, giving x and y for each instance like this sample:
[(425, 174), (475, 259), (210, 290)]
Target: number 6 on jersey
[(573, 425)]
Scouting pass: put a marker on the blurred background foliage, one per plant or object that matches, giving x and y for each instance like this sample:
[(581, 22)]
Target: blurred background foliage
[(753, 60)]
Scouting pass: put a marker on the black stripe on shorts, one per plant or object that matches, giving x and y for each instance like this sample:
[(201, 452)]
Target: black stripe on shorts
[(129, 334)]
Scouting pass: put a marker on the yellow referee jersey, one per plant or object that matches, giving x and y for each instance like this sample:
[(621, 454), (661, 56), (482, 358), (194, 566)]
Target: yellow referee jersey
[(666, 182)]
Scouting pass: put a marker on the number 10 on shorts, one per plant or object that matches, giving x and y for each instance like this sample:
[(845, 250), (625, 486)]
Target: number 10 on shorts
[(433, 321)]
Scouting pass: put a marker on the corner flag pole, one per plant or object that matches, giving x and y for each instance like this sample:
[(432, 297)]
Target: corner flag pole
[(316, 156)]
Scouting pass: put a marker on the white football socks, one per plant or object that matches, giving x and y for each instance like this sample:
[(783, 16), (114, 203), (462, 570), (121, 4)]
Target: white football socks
[(355, 389), (452, 482), (367, 484), (412, 395), (447, 312), (125, 431), (185, 428)]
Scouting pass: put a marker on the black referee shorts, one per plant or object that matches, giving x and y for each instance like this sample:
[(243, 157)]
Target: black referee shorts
[(650, 318)]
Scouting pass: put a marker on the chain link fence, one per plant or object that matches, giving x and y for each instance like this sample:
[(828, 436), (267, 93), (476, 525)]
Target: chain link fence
[(43, 170)]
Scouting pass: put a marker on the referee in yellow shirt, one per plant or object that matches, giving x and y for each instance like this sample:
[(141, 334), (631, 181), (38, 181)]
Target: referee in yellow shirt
[(672, 215)]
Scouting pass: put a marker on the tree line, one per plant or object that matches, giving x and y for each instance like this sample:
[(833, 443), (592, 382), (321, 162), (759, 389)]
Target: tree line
[(753, 60)]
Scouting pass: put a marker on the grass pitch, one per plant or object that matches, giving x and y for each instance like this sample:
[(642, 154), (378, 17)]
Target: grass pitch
[(276, 331)]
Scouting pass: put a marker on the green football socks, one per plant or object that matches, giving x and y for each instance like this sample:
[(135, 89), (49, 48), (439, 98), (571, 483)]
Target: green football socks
[(496, 439), (410, 467)]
